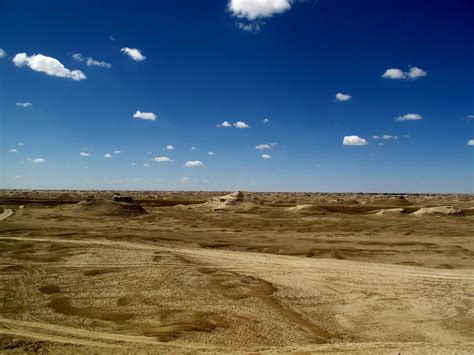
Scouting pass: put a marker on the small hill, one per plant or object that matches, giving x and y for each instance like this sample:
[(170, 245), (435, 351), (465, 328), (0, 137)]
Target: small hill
[(391, 212), (119, 206), (235, 201), (438, 211), (388, 201)]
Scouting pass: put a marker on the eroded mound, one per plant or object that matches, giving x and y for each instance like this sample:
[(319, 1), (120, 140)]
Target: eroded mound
[(388, 201), (391, 212), (235, 201), (438, 211), (119, 206), (306, 209)]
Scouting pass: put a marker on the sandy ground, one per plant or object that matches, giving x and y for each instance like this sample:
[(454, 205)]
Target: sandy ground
[(182, 278)]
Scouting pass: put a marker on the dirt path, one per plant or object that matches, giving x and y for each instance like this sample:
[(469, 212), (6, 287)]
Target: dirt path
[(368, 302)]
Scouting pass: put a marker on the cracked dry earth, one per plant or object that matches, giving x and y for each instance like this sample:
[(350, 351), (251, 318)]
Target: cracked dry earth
[(179, 280)]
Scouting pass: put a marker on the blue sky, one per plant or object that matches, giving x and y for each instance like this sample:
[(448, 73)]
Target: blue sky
[(195, 65)]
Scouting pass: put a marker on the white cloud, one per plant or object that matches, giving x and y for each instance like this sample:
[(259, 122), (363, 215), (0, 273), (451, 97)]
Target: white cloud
[(240, 124), (162, 159), (354, 140), (184, 180), (21, 144), (409, 117), (385, 136), (13, 151), (149, 116), (133, 53), (343, 97), (252, 10), (47, 65), (471, 117), (265, 120), (194, 164), (266, 156), (169, 147), (146, 165), (117, 151), (249, 27), (394, 73), (24, 104), (413, 73), (91, 62), (2, 53), (134, 164), (265, 146), (224, 124), (78, 57), (38, 161), (211, 153), (108, 156), (193, 148), (470, 142), (406, 136), (84, 154)]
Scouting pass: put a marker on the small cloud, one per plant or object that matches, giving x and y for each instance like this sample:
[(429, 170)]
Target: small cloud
[(193, 148), (38, 161), (162, 159), (211, 153), (385, 136), (253, 27), (184, 180), (409, 117), (343, 97), (117, 151), (169, 147), (194, 164), (266, 156), (470, 142), (2, 53), (108, 156), (111, 38), (265, 120), (397, 74), (91, 62), (415, 73), (48, 65), (133, 53), (134, 164), (354, 140), (406, 136), (13, 151), (148, 116), (471, 117), (21, 144), (265, 146), (24, 104), (84, 154), (252, 10), (146, 165), (224, 124), (394, 73), (78, 57), (240, 124)]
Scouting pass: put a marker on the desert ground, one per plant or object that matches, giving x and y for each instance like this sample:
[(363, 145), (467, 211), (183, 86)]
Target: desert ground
[(166, 272)]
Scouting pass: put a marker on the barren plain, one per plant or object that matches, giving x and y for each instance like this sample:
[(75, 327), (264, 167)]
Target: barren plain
[(247, 272)]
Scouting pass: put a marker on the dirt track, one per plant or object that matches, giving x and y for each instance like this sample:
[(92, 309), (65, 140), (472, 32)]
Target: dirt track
[(93, 286)]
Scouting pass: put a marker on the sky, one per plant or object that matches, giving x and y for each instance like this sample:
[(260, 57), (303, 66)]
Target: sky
[(264, 95)]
